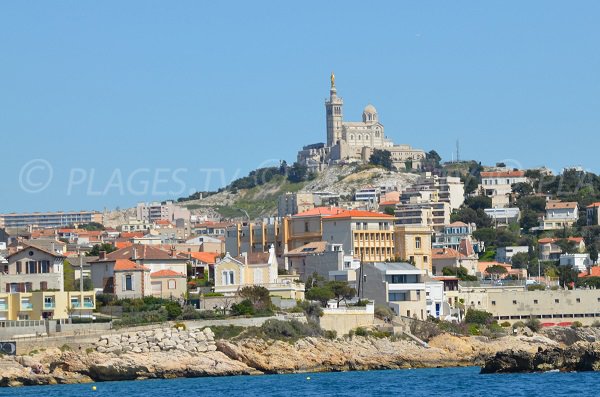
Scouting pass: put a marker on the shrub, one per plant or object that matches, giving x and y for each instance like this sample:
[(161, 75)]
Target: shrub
[(180, 326), (596, 324), (312, 310), (89, 350), (519, 324), (244, 308), (65, 348), (534, 324), (209, 294), (360, 331), (478, 317), (227, 331), (505, 324), (425, 330), (576, 324), (288, 330), (173, 310), (330, 334), (474, 329)]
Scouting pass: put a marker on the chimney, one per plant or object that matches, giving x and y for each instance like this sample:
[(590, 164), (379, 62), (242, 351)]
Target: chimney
[(134, 257), (102, 255)]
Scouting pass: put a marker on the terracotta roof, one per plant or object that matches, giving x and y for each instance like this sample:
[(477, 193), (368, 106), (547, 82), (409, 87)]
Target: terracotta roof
[(446, 253), (142, 251), (320, 211), (594, 205), (123, 265), (162, 222), (458, 223), (390, 202), (132, 234), (166, 273), (123, 244), (27, 246), (594, 272), (502, 174), (206, 257), (357, 214), (550, 240), (560, 205), (255, 258)]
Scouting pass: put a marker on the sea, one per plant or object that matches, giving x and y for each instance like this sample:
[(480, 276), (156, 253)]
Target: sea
[(445, 382)]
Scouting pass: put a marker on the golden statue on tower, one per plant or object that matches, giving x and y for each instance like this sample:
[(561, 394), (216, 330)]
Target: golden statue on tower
[(332, 80)]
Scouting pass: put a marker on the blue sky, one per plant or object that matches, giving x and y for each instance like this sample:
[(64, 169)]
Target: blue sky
[(139, 100)]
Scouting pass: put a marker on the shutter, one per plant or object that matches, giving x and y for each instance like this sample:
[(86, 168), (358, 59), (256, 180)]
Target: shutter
[(7, 288), (124, 283)]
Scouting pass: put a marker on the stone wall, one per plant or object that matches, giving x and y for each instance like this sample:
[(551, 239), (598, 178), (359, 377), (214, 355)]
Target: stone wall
[(161, 339)]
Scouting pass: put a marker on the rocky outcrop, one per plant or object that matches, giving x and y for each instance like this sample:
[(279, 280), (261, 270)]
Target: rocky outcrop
[(579, 357), (170, 353)]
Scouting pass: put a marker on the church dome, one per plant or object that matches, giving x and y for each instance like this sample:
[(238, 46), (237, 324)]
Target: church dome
[(369, 114), (370, 109)]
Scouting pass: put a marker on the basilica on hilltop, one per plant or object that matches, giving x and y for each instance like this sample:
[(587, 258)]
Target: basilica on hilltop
[(355, 141)]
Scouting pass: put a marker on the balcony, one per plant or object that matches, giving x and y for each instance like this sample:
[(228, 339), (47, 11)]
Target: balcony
[(49, 305), (76, 304), (88, 305), (26, 306), (3, 307)]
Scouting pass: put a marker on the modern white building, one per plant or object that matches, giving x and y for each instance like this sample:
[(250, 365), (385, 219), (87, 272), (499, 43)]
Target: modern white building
[(498, 185), (435, 298), (165, 210), (580, 262), (503, 216), (505, 254)]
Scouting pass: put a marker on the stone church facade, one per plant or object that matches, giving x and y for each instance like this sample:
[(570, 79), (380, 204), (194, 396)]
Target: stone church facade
[(354, 141)]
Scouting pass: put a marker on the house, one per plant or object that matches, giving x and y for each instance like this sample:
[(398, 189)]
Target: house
[(592, 214), (366, 235), (413, 244), (450, 258), (592, 271), (203, 264), (449, 189), (434, 214), (505, 254), (435, 298), (122, 277), (498, 185), (579, 262), (31, 268), (550, 250), (146, 255), (323, 258), (399, 286), (257, 237), (258, 268), (452, 235), (559, 215), (168, 284)]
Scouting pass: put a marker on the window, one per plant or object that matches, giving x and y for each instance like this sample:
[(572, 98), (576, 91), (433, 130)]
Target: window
[(418, 242), (396, 296), (43, 285), (493, 303), (425, 259), (578, 300), (535, 301), (556, 300), (171, 284), (305, 227), (128, 282), (514, 302)]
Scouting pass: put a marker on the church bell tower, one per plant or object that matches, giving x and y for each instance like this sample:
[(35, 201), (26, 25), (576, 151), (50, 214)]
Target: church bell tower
[(334, 115)]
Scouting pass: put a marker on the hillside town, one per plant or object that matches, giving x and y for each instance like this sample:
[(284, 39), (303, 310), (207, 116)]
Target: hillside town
[(452, 238)]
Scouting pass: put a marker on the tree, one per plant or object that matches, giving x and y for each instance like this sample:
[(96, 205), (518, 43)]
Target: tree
[(460, 272), (244, 308), (529, 219), (97, 248), (320, 294), (478, 202), (567, 276), (522, 189), (496, 270), (297, 173), (520, 260), (382, 158), (567, 246), (87, 284), (469, 215), (314, 280), (480, 317), (389, 210), (486, 234), (341, 290), (258, 296)]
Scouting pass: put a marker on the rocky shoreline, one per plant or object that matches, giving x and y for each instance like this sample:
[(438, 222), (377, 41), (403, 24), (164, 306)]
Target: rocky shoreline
[(170, 353)]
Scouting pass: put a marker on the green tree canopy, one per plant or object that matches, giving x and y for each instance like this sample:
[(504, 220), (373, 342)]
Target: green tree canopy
[(382, 158), (97, 248)]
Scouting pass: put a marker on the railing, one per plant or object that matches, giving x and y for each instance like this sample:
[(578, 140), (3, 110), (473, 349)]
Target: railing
[(3, 306), (88, 304), (49, 305), (75, 304), (26, 306)]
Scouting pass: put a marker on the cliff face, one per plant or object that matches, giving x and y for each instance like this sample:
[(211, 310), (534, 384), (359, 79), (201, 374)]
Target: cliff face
[(167, 353)]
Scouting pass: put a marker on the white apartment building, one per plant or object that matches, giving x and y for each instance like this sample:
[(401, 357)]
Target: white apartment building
[(165, 210), (580, 262), (432, 214), (498, 185)]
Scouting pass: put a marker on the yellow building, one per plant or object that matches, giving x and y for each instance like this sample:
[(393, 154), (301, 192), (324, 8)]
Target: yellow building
[(259, 268), (413, 244), (41, 305)]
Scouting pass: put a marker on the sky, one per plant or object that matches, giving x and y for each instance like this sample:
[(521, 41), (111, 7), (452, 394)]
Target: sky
[(105, 104)]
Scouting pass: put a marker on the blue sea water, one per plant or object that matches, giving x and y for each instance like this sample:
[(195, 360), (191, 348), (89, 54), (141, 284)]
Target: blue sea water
[(446, 382)]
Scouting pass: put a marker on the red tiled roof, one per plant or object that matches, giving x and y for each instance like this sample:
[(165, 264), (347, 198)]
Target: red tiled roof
[(503, 174), (560, 205), (123, 244), (594, 272), (206, 257), (162, 222), (124, 265), (446, 253), (550, 240), (594, 205), (132, 234), (320, 211), (390, 202), (166, 273), (358, 214), (142, 251), (458, 223)]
